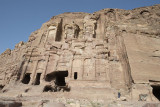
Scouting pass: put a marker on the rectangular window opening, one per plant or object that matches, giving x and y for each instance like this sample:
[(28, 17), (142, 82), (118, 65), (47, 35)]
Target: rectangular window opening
[(75, 75)]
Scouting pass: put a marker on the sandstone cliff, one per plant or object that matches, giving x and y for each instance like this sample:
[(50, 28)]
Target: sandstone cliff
[(109, 54)]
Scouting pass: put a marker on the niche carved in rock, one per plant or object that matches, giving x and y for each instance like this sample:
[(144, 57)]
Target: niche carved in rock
[(89, 27), (71, 31)]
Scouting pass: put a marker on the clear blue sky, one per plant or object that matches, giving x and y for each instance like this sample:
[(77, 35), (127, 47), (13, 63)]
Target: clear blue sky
[(18, 18)]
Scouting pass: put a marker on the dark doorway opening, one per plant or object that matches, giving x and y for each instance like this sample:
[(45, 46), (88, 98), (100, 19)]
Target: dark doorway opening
[(1, 87), (26, 78), (50, 77), (38, 76), (60, 78), (156, 91), (75, 75)]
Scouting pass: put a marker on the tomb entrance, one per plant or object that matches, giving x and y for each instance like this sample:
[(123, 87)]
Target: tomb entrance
[(26, 78), (156, 91)]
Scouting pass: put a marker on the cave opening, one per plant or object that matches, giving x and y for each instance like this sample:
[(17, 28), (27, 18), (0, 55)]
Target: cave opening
[(26, 78), (156, 91), (60, 78), (38, 76)]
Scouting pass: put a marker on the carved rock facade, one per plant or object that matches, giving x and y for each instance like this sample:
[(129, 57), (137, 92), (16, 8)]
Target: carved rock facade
[(113, 52)]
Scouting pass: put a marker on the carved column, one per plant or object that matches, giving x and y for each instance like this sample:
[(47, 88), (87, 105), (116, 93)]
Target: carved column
[(33, 72), (44, 72), (25, 66), (24, 70), (83, 69), (71, 68)]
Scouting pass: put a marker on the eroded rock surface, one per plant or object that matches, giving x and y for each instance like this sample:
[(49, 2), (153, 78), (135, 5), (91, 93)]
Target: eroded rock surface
[(112, 55)]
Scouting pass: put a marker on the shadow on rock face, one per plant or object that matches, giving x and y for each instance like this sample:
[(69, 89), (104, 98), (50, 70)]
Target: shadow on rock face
[(53, 104), (10, 104)]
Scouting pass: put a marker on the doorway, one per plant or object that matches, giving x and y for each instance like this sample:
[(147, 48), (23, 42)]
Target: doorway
[(26, 78), (60, 78), (38, 76), (156, 91)]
